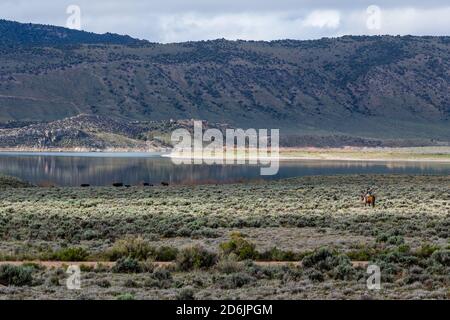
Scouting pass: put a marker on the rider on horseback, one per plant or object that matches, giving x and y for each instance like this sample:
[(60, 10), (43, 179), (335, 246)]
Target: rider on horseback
[(368, 197)]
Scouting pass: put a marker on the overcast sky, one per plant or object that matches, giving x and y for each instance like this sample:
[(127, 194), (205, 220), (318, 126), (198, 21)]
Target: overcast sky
[(185, 20)]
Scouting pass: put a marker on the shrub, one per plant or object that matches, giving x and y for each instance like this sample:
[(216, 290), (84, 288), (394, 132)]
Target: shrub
[(400, 255), (103, 283), (11, 275), (130, 283), (315, 275), (148, 266), (258, 272), (71, 254), (426, 250), (127, 265), (161, 279), (242, 248), (276, 254), (166, 253), (125, 296), (186, 294), (195, 258), (136, 248), (395, 240), (322, 259), (33, 266), (229, 264), (53, 280), (162, 274), (415, 274), (363, 254), (101, 268), (441, 257), (86, 268), (389, 270), (343, 271), (391, 237), (160, 284), (325, 260), (89, 235), (236, 280), (291, 274)]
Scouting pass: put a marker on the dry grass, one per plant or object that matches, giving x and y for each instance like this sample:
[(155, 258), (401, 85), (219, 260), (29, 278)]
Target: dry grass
[(299, 215)]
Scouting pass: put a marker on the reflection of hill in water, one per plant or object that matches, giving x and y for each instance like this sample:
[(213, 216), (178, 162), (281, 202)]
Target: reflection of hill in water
[(134, 170), (104, 171)]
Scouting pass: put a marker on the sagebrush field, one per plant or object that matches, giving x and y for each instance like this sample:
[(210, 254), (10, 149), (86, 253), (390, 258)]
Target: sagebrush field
[(301, 238)]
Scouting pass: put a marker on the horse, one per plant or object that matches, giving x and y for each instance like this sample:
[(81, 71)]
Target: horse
[(368, 199)]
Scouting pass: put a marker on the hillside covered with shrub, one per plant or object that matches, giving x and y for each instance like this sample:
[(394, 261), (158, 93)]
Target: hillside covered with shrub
[(375, 87)]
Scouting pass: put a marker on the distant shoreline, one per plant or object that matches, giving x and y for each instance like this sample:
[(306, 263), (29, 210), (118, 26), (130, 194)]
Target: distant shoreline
[(408, 154), (80, 150), (411, 154), (287, 159)]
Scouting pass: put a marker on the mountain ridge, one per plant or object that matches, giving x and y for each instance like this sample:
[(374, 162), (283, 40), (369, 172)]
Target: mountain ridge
[(381, 87), (30, 34)]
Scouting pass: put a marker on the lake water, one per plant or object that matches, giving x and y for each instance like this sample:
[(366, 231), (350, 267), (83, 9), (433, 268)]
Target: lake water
[(102, 169)]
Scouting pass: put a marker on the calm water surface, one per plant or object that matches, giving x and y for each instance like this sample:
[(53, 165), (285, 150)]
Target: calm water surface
[(101, 169)]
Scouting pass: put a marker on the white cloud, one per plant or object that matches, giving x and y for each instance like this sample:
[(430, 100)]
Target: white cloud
[(184, 20), (417, 21), (400, 21), (323, 19), (245, 26)]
